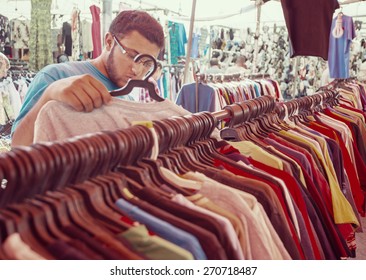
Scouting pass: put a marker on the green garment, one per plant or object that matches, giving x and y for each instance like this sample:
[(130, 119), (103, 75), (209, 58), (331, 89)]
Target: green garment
[(40, 46), (154, 247)]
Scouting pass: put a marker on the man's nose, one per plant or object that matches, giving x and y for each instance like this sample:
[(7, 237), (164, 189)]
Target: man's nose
[(134, 68)]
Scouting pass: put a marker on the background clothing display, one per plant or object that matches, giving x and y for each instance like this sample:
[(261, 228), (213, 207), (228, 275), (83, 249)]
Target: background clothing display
[(4, 65), (76, 35), (86, 31), (4, 32)]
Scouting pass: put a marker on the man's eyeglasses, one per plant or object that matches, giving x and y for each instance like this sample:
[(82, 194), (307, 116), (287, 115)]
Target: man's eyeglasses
[(147, 63)]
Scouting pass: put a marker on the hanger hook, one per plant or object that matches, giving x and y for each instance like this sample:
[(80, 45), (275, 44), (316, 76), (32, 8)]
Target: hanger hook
[(149, 57)]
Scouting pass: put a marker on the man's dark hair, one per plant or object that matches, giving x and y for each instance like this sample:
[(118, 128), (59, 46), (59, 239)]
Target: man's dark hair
[(142, 22)]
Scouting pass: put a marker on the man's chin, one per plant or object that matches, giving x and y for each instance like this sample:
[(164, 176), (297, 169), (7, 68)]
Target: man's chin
[(121, 84)]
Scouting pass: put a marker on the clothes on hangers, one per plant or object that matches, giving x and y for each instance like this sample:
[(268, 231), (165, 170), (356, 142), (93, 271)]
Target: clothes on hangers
[(5, 32), (279, 196), (67, 37), (331, 156), (339, 49), (97, 42), (11, 98), (86, 31), (76, 35), (214, 96)]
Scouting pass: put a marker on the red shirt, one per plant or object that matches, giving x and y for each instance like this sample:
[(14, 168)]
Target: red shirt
[(238, 170), (357, 193), (296, 194)]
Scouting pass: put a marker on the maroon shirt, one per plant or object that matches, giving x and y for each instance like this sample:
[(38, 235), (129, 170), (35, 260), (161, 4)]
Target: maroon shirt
[(308, 24)]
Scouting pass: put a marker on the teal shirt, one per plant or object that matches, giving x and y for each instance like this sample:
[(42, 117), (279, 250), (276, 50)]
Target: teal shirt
[(55, 72)]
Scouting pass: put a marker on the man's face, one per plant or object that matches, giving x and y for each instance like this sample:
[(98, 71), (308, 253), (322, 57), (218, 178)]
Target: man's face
[(120, 65)]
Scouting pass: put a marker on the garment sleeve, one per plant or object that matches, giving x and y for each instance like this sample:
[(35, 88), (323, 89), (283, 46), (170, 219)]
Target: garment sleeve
[(351, 29), (179, 100), (350, 33)]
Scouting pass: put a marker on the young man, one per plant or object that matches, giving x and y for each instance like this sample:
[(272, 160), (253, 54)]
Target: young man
[(85, 85)]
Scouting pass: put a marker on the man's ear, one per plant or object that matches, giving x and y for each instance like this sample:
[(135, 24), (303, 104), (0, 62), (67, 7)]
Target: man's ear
[(108, 40)]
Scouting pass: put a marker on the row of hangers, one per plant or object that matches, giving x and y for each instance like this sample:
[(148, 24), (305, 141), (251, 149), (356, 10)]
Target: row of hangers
[(44, 187), (260, 116), (220, 78), (49, 186), (46, 167), (308, 104)]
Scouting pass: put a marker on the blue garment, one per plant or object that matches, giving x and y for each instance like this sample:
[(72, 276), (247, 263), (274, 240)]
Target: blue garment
[(178, 39), (163, 229), (55, 72), (339, 49), (195, 43), (257, 90), (165, 83), (187, 98)]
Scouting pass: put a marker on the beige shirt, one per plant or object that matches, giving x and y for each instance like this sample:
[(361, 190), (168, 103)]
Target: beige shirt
[(58, 121)]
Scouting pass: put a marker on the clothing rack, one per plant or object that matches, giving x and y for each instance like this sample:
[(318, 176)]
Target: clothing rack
[(51, 171), (240, 112), (53, 165)]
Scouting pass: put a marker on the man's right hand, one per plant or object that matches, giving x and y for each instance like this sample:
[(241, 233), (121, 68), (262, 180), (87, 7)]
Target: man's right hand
[(83, 93)]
